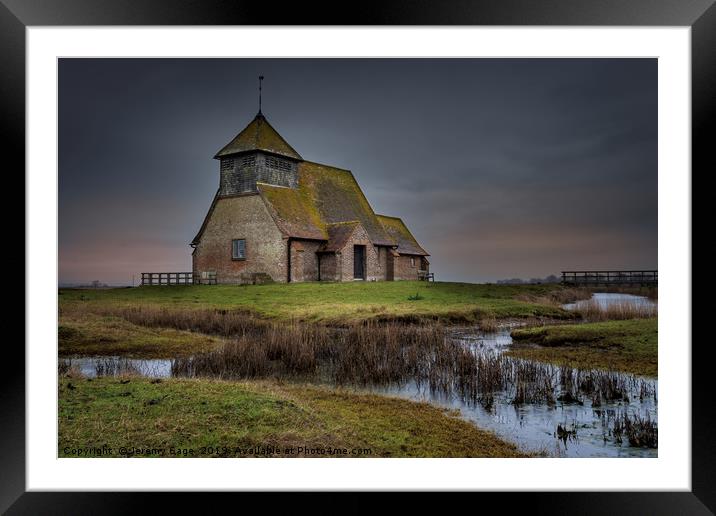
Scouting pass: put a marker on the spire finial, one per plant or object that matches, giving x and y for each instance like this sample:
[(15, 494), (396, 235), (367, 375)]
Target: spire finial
[(261, 78)]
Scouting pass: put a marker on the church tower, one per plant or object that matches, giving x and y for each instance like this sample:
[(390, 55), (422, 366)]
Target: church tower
[(258, 154)]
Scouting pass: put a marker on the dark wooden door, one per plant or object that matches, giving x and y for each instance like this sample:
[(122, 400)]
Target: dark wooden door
[(390, 265), (358, 261)]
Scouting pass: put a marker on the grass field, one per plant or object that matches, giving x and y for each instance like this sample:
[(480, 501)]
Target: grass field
[(628, 345), (341, 302), (215, 418), (91, 334)]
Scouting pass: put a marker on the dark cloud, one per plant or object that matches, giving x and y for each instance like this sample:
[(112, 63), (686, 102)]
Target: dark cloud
[(501, 167)]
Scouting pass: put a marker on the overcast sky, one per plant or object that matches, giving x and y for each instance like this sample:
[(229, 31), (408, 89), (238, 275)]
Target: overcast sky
[(500, 167)]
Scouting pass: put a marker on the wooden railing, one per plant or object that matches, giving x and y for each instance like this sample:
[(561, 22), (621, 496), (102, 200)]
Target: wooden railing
[(177, 278), (647, 278), (424, 275)]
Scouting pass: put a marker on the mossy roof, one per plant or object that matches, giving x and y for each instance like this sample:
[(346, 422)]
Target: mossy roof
[(327, 205), (259, 135), (338, 235), (294, 210), (401, 235), (338, 198)]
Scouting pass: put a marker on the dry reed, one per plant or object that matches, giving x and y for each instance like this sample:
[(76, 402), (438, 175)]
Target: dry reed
[(374, 354), (593, 311)]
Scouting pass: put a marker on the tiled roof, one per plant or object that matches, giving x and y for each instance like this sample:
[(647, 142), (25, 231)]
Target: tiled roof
[(401, 235), (294, 211), (338, 235), (339, 198), (259, 135), (325, 195)]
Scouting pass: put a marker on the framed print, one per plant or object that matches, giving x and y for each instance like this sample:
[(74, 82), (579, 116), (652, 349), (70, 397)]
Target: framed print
[(419, 253)]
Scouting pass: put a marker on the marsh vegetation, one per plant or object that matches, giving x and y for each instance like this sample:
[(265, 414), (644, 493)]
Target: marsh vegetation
[(563, 375)]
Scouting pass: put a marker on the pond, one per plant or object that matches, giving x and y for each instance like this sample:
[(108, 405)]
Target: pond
[(608, 300), (533, 426)]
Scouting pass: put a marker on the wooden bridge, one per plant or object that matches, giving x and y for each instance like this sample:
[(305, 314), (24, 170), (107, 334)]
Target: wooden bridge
[(586, 278), (177, 278)]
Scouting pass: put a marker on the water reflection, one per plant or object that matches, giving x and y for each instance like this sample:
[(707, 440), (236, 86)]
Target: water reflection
[(91, 367), (533, 426), (607, 300)]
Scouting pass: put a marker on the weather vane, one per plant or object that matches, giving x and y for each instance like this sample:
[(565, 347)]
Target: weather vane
[(261, 78)]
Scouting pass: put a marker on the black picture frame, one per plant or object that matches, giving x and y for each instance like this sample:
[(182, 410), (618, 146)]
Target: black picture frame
[(16, 15)]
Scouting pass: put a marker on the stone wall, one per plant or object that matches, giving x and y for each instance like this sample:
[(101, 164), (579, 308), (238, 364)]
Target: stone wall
[(244, 217)]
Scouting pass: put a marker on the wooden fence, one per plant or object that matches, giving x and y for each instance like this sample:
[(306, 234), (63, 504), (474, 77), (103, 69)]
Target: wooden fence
[(177, 278), (584, 278)]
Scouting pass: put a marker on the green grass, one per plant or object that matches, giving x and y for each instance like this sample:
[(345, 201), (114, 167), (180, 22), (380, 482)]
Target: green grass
[(93, 334), (215, 418), (341, 302), (629, 345)]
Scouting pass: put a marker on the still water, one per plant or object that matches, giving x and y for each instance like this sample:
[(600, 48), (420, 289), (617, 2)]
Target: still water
[(533, 426), (605, 300), (92, 367)]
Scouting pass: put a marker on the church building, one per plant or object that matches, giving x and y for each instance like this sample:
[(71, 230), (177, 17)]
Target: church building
[(277, 217)]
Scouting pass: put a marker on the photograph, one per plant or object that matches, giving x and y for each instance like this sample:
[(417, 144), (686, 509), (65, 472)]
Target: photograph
[(423, 243), (357, 257)]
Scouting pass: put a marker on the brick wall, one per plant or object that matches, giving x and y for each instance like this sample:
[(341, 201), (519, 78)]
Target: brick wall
[(344, 259), (329, 267), (403, 268), (382, 262), (241, 217)]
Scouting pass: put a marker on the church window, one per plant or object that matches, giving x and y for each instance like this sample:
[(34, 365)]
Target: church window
[(238, 249)]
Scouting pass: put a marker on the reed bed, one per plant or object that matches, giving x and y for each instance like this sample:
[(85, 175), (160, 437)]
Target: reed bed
[(383, 354), (224, 323), (640, 431), (378, 355), (66, 369), (558, 296), (594, 311), (632, 429), (115, 367), (373, 353), (276, 350), (489, 325)]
